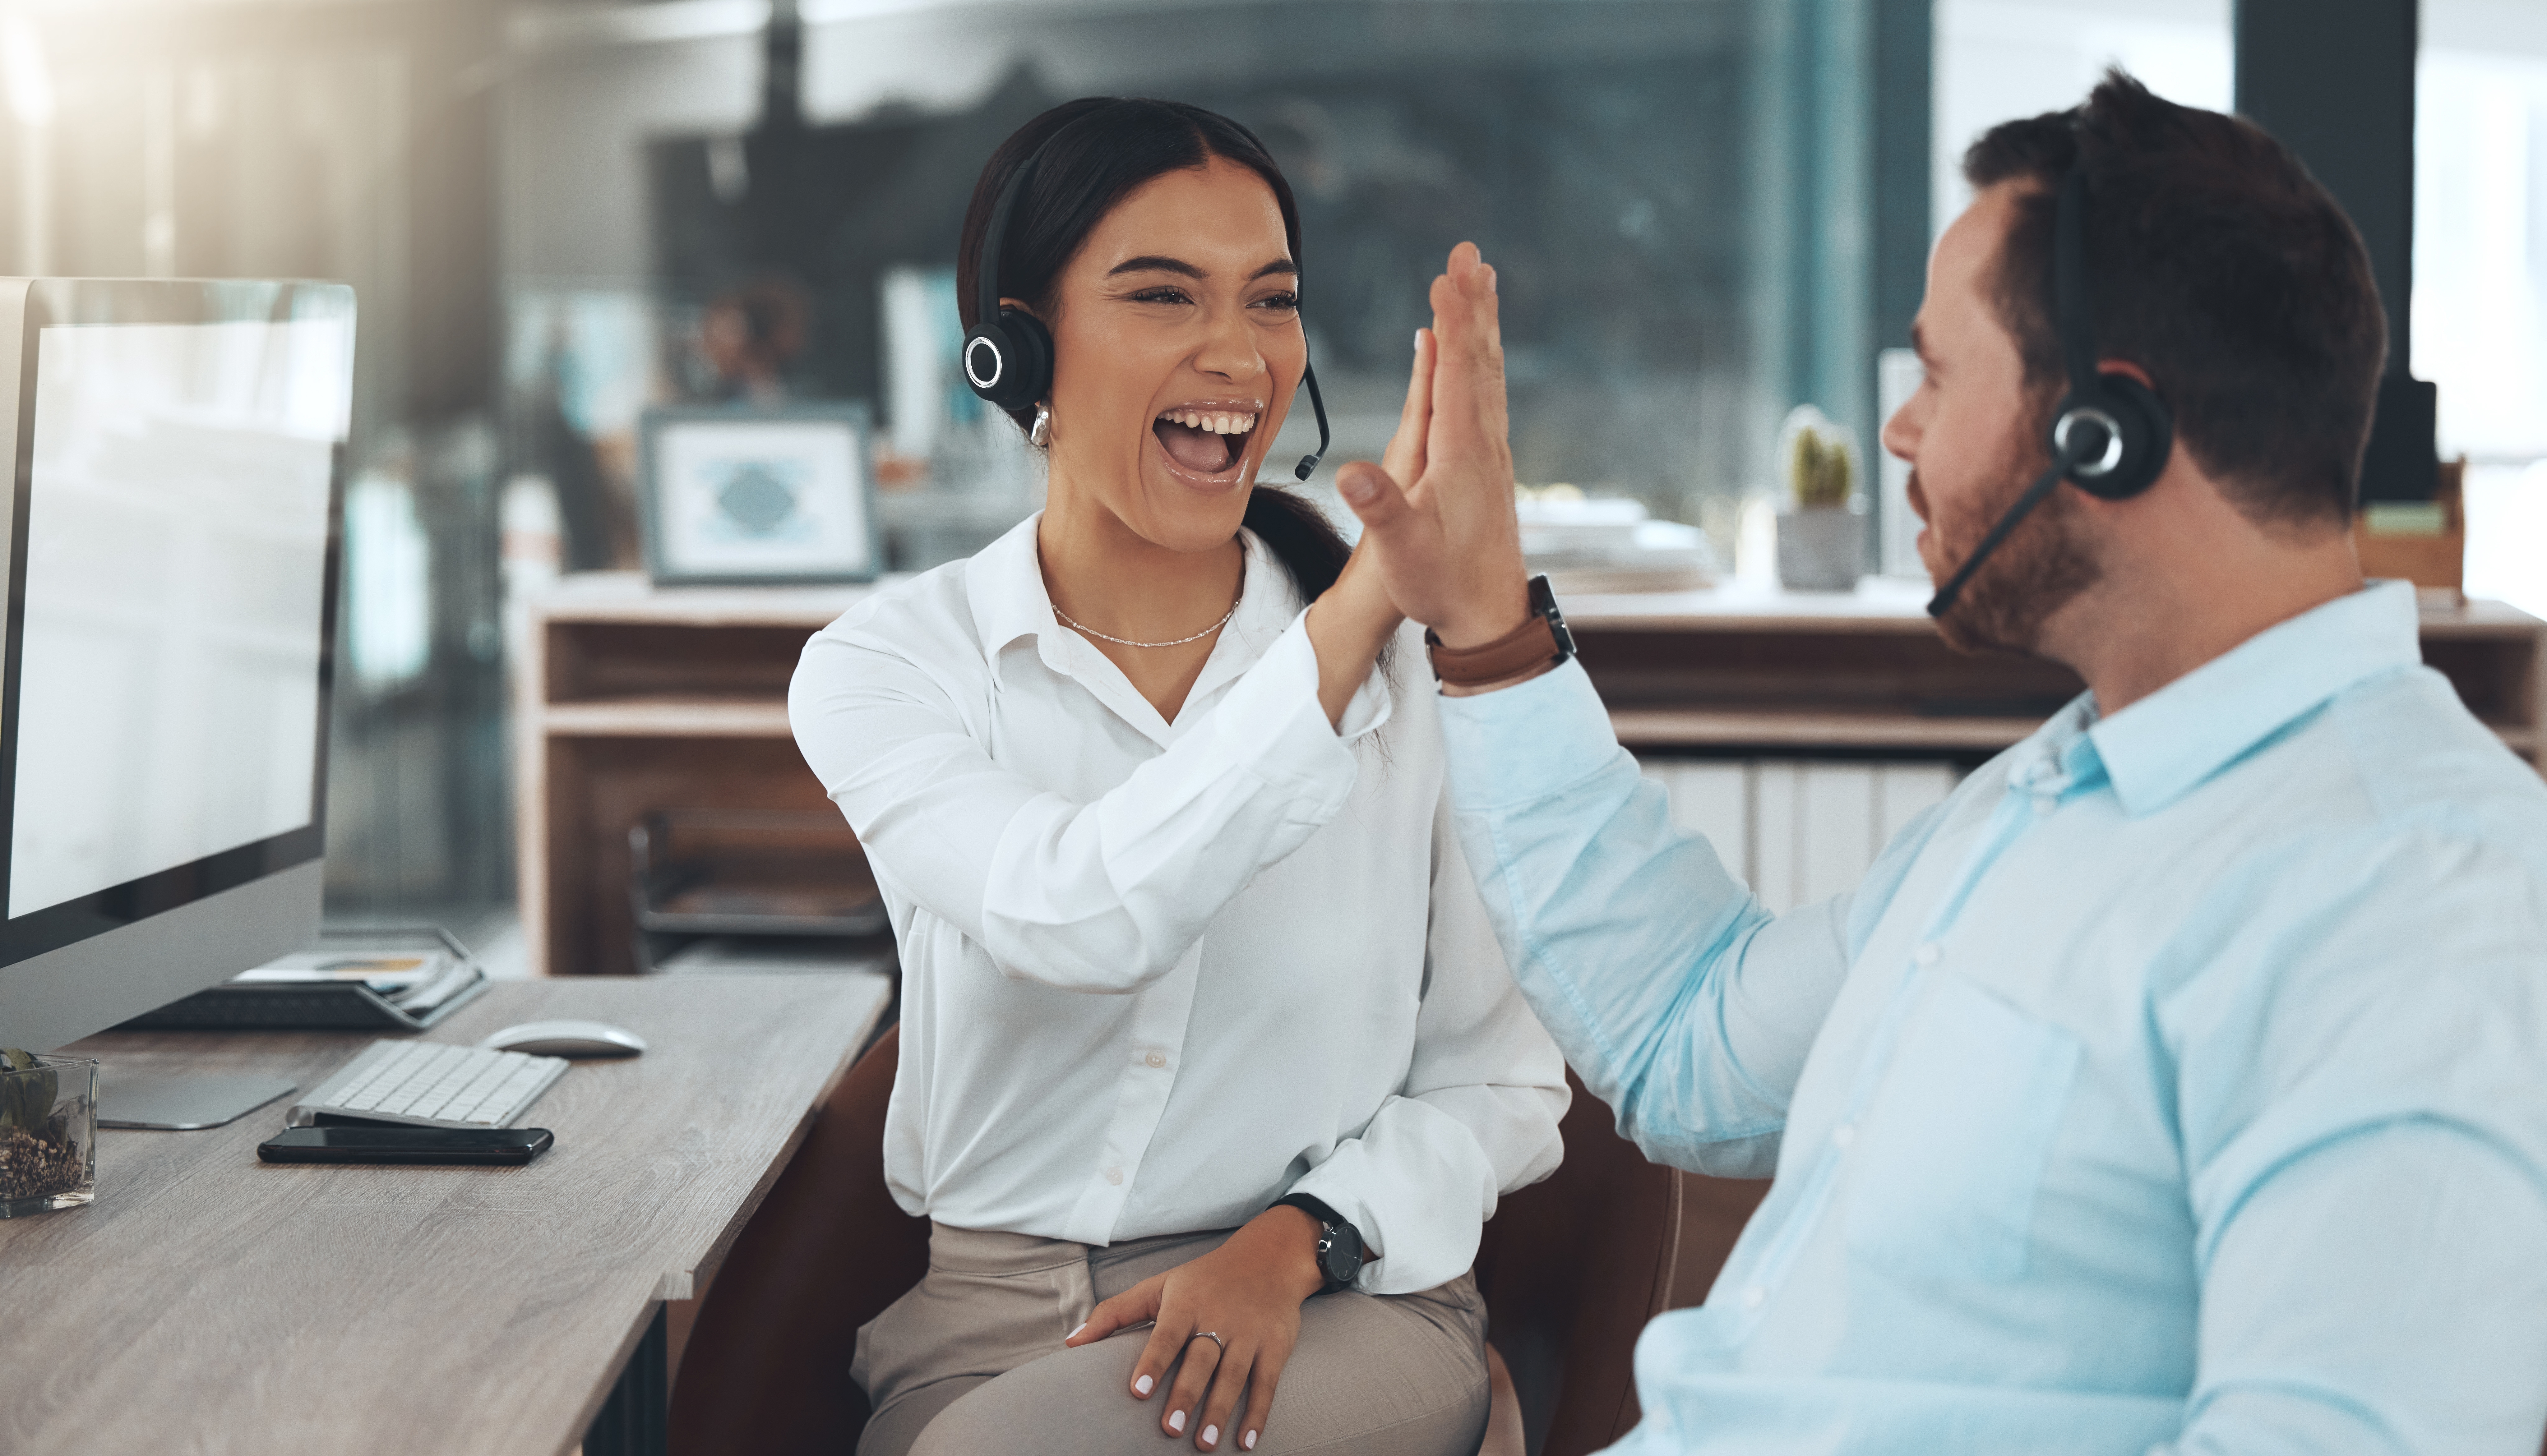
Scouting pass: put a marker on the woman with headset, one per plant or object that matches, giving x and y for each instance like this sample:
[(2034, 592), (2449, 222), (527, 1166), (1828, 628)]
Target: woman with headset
[(1212, 1069)]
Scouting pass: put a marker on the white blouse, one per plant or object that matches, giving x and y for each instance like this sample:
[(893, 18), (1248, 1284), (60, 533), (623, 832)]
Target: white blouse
[(1157, 975)]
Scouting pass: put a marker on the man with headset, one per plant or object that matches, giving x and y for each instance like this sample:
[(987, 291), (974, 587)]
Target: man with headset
[(2179, 1083)]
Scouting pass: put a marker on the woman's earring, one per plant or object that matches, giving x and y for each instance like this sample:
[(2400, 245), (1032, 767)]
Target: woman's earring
[(1041, 435)]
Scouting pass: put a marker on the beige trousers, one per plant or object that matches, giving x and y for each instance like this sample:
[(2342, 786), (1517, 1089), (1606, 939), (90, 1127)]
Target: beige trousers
[(971, 1360)]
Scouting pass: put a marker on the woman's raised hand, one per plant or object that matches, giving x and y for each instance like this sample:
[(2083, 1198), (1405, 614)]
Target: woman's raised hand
[(1404, 460), (1355, 617), (1248, 1292)]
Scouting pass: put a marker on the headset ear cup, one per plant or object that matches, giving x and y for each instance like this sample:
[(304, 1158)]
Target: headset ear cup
[(2148, 436), (1013, 354), (990, 360)]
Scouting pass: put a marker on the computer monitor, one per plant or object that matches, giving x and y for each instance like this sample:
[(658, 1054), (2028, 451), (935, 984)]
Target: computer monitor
[(171, 544)]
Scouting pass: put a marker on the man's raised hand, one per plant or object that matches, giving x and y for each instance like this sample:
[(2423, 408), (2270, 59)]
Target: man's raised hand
[(1446, 542)]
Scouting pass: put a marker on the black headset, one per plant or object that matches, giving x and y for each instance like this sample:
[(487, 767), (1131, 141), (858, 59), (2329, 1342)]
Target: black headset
[(2110, 433), (1008, 357)]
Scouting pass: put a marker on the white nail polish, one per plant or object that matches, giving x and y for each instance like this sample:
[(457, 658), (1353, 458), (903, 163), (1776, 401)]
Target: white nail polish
[(1247, 1442), (1141, 1387), (1177, 1422), (1418, 341), (1074, 1334), (1211, 1435)]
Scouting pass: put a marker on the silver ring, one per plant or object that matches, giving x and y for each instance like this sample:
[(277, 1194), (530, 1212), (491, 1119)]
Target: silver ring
[(1208, 1335)]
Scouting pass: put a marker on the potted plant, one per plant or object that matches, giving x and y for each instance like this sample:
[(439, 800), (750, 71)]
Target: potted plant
[(1822, 534), (47, 1133)]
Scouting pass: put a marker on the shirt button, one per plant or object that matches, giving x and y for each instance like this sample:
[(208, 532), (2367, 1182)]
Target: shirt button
[(1754, 1296), (1157, 1059), (1114, 1175), (1928, 955), (1845, 1135)]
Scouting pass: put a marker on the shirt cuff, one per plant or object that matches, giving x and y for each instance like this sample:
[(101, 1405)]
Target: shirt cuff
[(1271, 722), (1371, 703), (1528, 741)]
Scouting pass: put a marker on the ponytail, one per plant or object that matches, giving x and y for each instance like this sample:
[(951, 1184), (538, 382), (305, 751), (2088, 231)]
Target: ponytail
[(1301, 537)]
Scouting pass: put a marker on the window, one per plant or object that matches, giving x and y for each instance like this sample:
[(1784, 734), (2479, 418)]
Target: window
[(2480, 307)]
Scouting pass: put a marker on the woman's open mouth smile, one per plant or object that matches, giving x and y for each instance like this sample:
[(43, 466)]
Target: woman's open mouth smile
[(1206, 444)]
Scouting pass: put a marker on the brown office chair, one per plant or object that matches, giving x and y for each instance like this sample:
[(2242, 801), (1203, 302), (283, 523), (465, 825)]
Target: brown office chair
[(1572, 1269), (767, 1365)]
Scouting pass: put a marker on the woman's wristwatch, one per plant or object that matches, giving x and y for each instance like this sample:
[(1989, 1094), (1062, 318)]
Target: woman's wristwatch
[(1540, 641), (1340, 1250)]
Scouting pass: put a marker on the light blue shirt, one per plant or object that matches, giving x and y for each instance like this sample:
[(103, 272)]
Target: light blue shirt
[(2179, 1084)]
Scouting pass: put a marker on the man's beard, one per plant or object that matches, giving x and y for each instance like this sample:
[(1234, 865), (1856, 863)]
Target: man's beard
[(2042, 565)]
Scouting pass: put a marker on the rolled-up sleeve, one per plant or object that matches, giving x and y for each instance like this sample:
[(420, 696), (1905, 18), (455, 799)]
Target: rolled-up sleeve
[(1104, 895), (1477, 1116), (1681, 1000)]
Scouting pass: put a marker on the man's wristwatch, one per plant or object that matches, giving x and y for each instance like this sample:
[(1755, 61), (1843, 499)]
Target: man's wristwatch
[(1540, 641), (1340, 1250)]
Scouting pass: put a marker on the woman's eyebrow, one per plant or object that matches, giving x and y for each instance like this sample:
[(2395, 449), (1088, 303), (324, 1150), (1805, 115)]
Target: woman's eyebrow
[(1152, 263)]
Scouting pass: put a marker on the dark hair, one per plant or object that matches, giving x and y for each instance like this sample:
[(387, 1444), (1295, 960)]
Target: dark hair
[(2219, 264), (1102, 149)]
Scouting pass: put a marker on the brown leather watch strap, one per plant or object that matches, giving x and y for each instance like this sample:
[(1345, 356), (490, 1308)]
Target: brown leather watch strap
[(1529, 645)]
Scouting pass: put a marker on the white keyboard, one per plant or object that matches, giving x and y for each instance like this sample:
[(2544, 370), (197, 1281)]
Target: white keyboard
[(431, 1085)]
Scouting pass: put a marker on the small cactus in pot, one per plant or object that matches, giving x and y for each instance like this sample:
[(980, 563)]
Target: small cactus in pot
[(1821, 537)]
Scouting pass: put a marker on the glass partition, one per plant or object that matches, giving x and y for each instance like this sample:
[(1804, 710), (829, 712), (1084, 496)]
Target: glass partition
[(1677, 195)]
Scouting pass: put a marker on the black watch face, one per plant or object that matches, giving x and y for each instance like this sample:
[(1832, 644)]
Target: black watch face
[(1341, 1254)]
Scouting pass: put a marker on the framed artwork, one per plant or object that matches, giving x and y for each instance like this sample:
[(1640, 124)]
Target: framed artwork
[(739, 493)]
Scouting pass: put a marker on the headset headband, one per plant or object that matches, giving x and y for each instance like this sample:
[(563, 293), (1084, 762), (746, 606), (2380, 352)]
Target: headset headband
[(2074, 310), (995, 239)]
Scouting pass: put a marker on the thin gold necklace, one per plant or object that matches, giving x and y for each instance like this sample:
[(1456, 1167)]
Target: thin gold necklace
[(1125, 642)]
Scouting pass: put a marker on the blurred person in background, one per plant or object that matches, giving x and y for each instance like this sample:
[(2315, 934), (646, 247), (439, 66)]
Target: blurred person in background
[(1211, 1070)]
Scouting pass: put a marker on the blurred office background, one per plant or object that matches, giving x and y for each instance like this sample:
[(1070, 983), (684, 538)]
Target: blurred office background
[(557, 213)]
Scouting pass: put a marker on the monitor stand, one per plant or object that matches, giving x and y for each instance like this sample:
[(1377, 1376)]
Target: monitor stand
[(183, 1103)]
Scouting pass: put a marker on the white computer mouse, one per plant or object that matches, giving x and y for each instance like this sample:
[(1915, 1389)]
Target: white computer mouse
[(566, 1039)]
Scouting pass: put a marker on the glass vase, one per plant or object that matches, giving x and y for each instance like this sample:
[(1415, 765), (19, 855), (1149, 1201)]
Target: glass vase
[(47, 1136)]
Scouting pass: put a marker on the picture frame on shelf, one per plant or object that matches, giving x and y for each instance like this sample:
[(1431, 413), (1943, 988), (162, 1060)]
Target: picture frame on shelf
[(758, 495)]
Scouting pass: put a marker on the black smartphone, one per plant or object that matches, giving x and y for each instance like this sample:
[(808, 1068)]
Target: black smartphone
[(341, 1144)]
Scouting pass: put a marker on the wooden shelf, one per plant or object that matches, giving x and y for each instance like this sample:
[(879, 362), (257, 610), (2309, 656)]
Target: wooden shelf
[(665, 718), (628, 597), (1673, 728), (1637, 728), (1647, 728), (636, 698)]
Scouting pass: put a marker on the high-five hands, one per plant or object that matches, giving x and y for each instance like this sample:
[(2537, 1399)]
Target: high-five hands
[(1355, 619), (1440, 526), (1234, 1314)]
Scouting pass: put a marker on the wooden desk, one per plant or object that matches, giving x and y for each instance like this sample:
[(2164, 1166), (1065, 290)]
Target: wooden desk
[(633, 699), (1733, 673), (211, 1302)]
